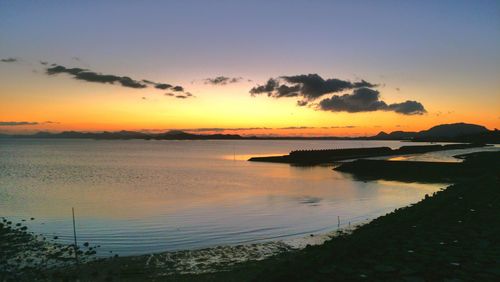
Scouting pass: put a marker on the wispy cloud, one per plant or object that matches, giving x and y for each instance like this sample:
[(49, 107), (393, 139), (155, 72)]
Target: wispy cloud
[(21, 123), (125, 81), (90, 76), (298, 128), (222, 80), (9, 60)]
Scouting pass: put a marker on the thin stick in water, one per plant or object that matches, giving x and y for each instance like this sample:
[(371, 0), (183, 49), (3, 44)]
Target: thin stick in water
[(74, 235)]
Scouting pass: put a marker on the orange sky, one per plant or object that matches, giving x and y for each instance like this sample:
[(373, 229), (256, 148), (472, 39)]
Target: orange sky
[(449, 64)]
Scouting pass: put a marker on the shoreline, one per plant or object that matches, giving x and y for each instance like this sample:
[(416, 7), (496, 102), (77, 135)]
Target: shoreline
[(317, 157)]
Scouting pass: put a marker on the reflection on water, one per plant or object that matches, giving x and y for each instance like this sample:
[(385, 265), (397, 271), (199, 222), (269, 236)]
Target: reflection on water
[(442, 156), (135, 197)]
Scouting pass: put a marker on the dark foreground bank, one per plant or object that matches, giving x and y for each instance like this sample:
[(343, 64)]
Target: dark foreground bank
[(452, 235), (315, 157)]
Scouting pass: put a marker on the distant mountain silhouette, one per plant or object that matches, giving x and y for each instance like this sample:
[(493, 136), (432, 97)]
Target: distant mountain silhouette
[(181, 135), (456, 132), (395, 135), (451, 130)]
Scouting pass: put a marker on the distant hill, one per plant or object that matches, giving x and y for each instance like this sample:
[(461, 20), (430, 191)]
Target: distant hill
[(169, 135), (395, 135), (181, 135), (451, 130), (455, 132), (89, 135)]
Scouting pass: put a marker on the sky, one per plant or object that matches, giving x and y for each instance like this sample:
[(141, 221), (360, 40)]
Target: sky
[(308, 68)]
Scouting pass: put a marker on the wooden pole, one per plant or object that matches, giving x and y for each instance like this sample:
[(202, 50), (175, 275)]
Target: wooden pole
[(74, 235)]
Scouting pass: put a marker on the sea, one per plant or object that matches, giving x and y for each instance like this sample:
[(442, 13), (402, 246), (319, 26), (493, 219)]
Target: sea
[(134, 197)]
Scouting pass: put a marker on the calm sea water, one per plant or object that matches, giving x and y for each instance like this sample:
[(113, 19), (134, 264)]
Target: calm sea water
[(136, 197)]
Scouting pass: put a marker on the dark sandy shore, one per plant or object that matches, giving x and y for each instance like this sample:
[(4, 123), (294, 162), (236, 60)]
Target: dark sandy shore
[(452, 235)]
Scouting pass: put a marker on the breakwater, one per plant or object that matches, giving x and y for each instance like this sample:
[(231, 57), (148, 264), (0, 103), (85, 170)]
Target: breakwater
[(311, 157)]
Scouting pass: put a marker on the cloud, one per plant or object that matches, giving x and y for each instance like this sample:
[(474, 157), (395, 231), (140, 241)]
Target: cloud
[(21, 123), (301, 103), (297, 127), (368, 100), (222, 80), (361, 100), (125, 81), (90, 76), (158, 85), (310, 87), (163, 86), (9, 60), (408, 108), (17, 123), (222, 129), (307, 86), (268, 88), (345, 126)]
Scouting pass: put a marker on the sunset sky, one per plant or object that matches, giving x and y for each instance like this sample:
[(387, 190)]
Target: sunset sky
[(344, 68)]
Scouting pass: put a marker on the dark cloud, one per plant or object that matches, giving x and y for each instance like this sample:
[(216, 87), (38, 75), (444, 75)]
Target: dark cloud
[(169, 94), (222, 80), (163, 86), (301, 103), (287, 91), (361, 100), (20, 123), (44, 63), (408, 108), (181, 96), (148, 81), (307, 86), (158, 85), (90, 76), (268, 88), (368, 100), (297, 127), (345, 126), (9, 60), (17, 123), (364, 83)]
